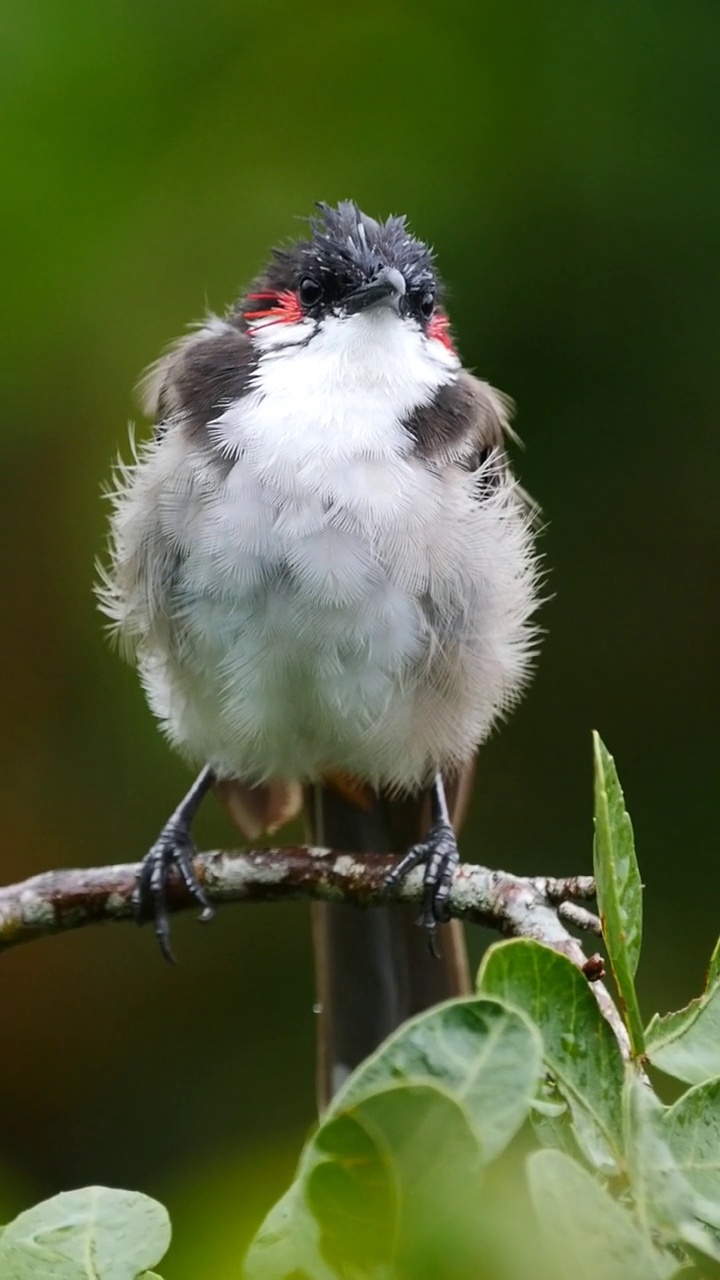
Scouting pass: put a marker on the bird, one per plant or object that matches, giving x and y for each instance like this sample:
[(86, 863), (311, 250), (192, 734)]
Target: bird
[(327, 575)]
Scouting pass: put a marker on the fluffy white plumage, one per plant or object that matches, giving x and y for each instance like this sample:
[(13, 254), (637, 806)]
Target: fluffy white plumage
[(303, 593)]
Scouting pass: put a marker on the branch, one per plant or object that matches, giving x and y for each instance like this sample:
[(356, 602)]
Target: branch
[(519, 907)]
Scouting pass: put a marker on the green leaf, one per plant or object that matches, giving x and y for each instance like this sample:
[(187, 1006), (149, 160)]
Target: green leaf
[(93, 1234), (475, 1056), (288, 1241), (692, 1129), (667, 1204), (618, 887), (580, 1049), (399, 1172), (713, 973), (686, 1044), (396, 1172), (554, 1127), (484, 1055), (590, 1234)]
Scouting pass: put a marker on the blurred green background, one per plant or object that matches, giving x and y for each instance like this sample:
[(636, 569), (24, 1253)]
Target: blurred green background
[(563, 159)]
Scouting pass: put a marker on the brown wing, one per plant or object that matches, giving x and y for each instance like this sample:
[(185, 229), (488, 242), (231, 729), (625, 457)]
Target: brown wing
[(467, 419), (199, 376), (467, 424)]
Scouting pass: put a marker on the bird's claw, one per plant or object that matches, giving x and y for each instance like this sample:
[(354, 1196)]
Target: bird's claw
[(440, 856), (174, 847)]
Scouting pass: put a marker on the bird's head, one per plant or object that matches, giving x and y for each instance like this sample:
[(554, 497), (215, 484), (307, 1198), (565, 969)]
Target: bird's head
[(351, 278)]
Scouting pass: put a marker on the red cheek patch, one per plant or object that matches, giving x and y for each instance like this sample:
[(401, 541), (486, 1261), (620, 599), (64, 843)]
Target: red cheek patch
[(282, 308), (439, 329)]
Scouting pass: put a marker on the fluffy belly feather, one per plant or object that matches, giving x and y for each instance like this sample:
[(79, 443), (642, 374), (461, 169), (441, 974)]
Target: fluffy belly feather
[(299, 632)]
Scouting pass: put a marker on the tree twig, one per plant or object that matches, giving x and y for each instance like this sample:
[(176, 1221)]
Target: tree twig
[(517, 906)]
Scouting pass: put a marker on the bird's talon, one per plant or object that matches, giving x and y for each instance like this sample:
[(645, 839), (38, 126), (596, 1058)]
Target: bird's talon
[(163, 937), (439, 854), (173, 849)]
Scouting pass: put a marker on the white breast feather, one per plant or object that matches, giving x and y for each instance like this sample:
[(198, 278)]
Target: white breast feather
[(307, 595)]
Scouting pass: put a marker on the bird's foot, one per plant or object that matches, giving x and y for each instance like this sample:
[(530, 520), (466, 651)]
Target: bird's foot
[(174, 848), (440, 856)]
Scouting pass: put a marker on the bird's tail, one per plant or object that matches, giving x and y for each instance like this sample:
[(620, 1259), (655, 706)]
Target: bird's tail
[(374, 968)]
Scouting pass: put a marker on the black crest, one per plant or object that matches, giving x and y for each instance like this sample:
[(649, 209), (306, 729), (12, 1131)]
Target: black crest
[(344, 250)]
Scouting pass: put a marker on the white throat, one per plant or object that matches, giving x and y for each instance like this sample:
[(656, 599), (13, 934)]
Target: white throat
[(340, 389)]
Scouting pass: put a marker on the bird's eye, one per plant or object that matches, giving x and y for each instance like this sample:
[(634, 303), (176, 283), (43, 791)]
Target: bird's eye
[(427, 304), (310, 292)]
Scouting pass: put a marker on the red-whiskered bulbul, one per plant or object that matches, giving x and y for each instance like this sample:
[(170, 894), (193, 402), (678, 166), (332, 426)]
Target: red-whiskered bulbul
[(325, 571)]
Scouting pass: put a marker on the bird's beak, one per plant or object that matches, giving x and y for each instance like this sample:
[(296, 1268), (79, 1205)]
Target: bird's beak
[(386, 289)]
